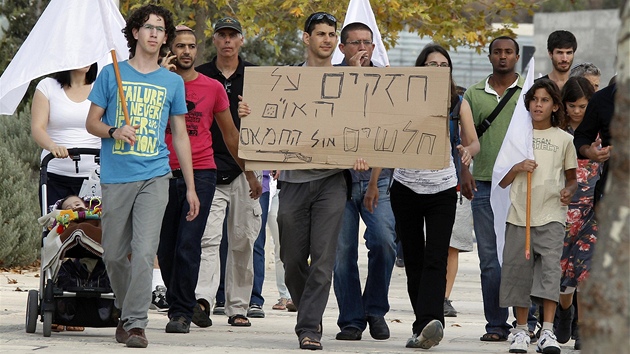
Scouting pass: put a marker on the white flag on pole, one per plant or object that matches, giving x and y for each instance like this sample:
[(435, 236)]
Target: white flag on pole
[(69, 34), (361, 11), (517, 146)]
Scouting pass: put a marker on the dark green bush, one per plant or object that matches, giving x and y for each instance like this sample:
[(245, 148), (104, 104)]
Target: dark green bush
[(19, 209), (15, 131), (19, 188)]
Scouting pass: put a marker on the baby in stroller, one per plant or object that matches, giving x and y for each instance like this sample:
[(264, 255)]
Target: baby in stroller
[(71, 260)]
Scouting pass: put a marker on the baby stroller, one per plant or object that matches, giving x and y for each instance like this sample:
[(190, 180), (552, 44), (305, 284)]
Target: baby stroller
[(74, 288)]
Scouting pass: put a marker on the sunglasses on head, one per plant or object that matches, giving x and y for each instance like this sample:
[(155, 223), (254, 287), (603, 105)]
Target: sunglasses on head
[(318, 16)]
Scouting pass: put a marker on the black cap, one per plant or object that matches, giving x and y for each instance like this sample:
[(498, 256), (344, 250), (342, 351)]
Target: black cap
[(228, 22)]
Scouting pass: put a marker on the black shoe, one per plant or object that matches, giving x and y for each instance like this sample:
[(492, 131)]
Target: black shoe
[(178, 325), (378, 327), (219, 308), (576, 336), (400, 263), (255, 311), (158, 299), (349, 333), (449, 310), (563, 329), (578, 344), (201, 316)]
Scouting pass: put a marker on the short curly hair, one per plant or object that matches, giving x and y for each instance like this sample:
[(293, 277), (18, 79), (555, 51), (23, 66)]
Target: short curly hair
[(137, 20)]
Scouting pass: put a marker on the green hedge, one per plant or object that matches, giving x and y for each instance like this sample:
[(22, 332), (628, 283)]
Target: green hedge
[(19, 184)]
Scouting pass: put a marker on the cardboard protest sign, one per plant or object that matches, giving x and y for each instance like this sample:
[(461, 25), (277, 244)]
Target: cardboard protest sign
[(307, 117)]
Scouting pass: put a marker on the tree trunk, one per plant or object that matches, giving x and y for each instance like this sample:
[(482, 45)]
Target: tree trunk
[(201, 14), (605, 296)]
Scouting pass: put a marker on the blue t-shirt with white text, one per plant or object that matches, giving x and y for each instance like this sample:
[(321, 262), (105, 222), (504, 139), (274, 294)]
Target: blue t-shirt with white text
[(151, 99)]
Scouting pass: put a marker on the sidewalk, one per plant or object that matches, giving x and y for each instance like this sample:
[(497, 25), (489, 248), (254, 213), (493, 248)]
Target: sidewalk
[(273, 334)]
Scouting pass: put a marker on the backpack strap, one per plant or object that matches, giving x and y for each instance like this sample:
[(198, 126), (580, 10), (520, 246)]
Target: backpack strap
[(456, 139), (481, 128)]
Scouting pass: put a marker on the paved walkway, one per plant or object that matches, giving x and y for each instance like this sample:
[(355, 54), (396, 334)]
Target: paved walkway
[(273, 334)]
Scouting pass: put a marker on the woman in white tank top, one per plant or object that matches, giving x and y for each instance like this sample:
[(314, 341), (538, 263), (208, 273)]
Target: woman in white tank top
[(59, 111)]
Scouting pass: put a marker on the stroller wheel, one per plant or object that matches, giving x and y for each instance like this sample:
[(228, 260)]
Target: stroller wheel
[(48, 315), (32, 310)]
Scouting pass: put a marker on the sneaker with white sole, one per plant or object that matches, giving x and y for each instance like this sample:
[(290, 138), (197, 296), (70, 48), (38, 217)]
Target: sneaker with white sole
[(255, 311), (158, 299), (430, 336), (520, 342), (219, 308), (548, 344)]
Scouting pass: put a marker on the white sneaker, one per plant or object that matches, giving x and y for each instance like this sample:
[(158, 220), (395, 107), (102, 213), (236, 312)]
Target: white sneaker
[(520, 342), (547, 343)]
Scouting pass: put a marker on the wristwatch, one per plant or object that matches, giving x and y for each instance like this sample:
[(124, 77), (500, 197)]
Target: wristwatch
[(111, 132)]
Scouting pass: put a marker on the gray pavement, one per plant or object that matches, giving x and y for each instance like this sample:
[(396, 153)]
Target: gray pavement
[(273, 334)]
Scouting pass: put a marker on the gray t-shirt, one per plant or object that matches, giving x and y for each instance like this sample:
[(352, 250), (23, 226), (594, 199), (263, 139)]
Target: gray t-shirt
[(303, 176)]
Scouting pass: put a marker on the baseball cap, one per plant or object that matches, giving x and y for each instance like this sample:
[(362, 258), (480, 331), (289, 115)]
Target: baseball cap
[(228, 22)]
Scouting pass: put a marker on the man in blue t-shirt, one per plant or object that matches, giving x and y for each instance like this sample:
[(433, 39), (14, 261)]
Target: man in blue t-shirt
[(135, 165)]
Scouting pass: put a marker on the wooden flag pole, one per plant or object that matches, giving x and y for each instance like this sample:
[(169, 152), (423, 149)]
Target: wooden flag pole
[(528, 216), (121, 93)]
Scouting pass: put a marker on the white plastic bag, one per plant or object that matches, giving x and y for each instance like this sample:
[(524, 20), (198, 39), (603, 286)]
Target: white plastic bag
[(92, 186)]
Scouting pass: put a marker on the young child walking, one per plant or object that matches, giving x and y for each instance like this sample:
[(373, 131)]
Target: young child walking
[(553, 185)]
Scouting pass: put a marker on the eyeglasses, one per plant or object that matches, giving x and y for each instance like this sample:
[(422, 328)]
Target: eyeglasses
[(150, 28), (359, 42), (224, 35), (318, 16), (436, 64), (227, 85)]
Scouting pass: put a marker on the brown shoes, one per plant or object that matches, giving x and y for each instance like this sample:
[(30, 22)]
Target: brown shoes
[(137, 339), (121, 334)]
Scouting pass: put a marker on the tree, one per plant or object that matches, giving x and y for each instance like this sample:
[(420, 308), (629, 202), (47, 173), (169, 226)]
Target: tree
[(451, 23), (605, 305)]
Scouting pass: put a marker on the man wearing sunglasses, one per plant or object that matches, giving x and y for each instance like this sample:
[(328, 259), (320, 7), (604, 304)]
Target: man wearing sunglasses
[(235, 190), (358, 308), (311, 210)]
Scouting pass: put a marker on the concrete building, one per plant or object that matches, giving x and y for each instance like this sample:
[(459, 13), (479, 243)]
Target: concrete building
[(596, 32), (469, 67)]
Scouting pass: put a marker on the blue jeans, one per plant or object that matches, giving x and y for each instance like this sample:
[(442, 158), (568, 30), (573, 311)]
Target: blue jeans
[(179, 252), (380, 239), (483, 219), (259, 254)]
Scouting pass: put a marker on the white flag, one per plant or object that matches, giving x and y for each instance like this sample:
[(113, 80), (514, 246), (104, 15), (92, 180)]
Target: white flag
[(517, 146), (361, 11), (70, 34)]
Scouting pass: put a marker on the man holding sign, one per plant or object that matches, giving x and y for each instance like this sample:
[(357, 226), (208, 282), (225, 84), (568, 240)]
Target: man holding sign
[(311, 210)]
